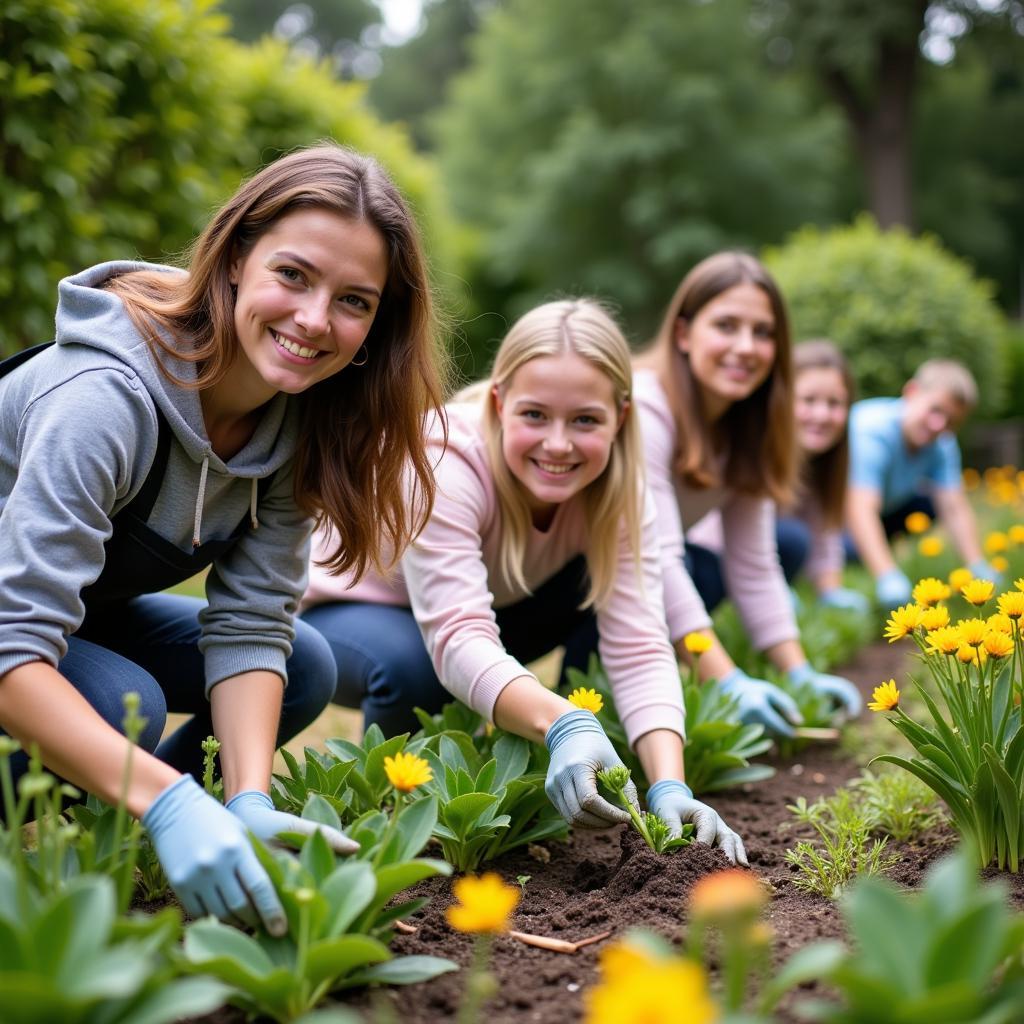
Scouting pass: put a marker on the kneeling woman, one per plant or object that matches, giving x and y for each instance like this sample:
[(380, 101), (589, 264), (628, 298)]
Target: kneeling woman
[(185, 420), (540, 515)]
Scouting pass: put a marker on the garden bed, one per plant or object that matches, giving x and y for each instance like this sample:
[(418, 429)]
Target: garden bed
[(609, 881)]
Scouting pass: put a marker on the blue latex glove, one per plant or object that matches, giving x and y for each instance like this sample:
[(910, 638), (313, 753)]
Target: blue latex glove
[(579, 750), (762, 703), (208, 859), (892, 589), (844, 695), (673, 802), (983, 571), (846, 600), (256, 811)]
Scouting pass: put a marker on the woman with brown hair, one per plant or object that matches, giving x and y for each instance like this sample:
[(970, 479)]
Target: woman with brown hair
[(714, 394), (186, 420)]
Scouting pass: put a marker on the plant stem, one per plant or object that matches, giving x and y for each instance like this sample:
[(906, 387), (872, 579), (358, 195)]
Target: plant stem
[(479, 983)]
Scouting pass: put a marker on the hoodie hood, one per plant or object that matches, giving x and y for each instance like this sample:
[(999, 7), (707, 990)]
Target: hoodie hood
[(91, 316)]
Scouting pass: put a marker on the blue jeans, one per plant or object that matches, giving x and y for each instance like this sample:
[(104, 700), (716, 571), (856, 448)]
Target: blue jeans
[(383, 665), (150, 645)]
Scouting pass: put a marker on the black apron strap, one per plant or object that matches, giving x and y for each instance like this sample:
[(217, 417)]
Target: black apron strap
[(13, 362)]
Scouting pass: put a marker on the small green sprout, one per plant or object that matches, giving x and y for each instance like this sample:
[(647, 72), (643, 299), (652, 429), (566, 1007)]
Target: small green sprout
[(522, 880), (654, 830)]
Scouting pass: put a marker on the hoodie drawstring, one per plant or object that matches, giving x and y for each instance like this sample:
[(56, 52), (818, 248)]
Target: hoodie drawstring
[(253, 499), (198, 521)]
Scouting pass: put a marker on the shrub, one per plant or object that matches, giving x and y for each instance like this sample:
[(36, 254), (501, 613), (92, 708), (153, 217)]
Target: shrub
[(891, 301)]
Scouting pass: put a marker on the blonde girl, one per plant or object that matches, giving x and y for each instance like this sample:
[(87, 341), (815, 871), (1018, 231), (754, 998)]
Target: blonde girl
[(714, 394), (540, 522)]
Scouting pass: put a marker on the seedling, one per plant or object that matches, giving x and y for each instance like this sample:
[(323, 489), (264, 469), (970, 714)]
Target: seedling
[(655, 831)]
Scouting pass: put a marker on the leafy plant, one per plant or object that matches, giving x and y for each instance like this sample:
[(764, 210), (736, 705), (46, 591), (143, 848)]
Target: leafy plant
[(65, 956), (718, 746), (946, 954), (655, 830), (338, 921), (975, 760), (896, 804), (846, 848)]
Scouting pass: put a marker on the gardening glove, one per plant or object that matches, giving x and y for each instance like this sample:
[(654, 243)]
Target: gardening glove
[(208, 859), (256, 811), (579, 750), (846, 600), (981, 570), (844, 695), (673, 802), (762, 702), (892, 589)]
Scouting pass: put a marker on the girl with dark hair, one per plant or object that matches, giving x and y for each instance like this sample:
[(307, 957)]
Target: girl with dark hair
[(186, 420), (714, 393)]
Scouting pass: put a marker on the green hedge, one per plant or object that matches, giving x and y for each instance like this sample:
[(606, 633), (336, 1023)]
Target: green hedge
[(891, 301), (125, 122)]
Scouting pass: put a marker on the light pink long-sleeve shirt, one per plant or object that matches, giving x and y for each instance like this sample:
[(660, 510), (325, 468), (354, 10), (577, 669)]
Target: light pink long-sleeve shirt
[(750, 562), (452, 580)]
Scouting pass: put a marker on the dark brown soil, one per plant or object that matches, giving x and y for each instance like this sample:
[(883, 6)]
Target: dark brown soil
[(600, 881)]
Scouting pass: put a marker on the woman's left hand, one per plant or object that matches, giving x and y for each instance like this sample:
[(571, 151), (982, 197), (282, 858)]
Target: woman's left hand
[(256, 811), (844, 695), (674, 803)]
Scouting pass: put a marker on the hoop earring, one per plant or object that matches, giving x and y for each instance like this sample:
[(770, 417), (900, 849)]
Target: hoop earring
[(366, 356)]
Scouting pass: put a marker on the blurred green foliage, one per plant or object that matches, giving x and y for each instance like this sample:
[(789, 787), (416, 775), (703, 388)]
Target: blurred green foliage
[(124, 124), (890, 301)]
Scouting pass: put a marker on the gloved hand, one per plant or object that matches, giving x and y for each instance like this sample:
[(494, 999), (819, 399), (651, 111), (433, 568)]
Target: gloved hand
[(844, 695), (981, 570), (256, 811), (673, 802), (762, 702), (892, 589), (845, 599), (579, 750), (208, 858)]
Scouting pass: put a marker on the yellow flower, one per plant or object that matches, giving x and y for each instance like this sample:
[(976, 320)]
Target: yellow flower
[(697, 643), (971, 478), (998, 645), (903, 622), (636, 988), (886, 697), (977, 592), (1019, 584), (935, 618), (1011, 604), (968, 654), (930, 591), (930, 547), (485, 904), (1000, 623), (972, 631), (959, 577), (587, 700), (917, 522), (999, 563), (996, 543), (946, 640), (1017, 533), (407, 771), (727, 893)]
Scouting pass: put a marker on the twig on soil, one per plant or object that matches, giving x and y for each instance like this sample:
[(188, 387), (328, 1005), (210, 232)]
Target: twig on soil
[(557, 945), (405, 929), (809, 732)]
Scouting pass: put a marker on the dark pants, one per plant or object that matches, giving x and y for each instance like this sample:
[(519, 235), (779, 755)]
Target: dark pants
[(383, 665), (894, 523), (150, 645)]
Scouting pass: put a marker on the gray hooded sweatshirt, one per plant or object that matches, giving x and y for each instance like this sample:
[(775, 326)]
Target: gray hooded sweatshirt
[(78, 434)]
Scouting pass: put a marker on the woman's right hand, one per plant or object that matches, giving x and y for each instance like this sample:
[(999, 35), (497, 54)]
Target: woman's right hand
[(762, 703), (579, 750), (209, 861)]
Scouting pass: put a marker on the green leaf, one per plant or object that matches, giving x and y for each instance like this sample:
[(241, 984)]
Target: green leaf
[(406, 970), (512, 754), (348, 892), (319, 810), (888, 932), (332, 959), (462, 813), (415, 825), (393, 878), (316, 856), (968, 950), (812, 963), (184, 997), (211, 943)]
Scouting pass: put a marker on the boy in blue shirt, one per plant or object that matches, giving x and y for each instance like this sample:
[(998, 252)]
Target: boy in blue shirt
[(904, 458)]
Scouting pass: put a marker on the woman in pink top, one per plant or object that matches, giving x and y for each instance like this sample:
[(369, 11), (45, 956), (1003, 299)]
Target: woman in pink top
[(540, 522), (715, 397)]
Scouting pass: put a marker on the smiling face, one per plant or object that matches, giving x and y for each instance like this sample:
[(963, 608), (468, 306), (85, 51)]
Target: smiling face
[(821, 406), (558, 423), (929, 412), (307, 295), (731, 346)]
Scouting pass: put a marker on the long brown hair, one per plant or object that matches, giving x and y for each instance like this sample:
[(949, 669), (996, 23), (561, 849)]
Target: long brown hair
[(824, 475), (359, 429), (759, 431)]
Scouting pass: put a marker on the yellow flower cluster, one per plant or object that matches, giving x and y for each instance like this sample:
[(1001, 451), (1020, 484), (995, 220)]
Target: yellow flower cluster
[(586, 699), (1003, 484), (407, 771)]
